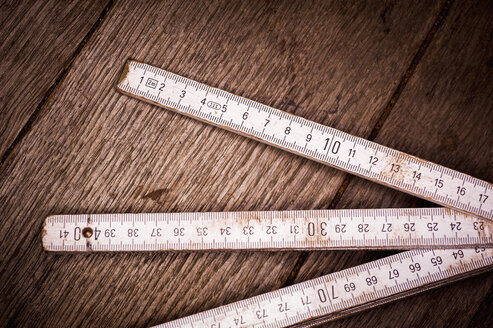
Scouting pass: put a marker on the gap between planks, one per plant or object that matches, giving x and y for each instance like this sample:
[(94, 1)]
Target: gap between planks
[(52, 89)]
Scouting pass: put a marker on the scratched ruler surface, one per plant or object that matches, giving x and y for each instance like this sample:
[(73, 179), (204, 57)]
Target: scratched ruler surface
[(309, 139), (446, 244), (288, 230)]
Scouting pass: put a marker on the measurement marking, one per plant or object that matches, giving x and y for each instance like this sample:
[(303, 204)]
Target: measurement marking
[(312, 229), (371, 160)]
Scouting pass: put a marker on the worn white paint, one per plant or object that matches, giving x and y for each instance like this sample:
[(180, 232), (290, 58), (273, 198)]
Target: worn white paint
[(294, 230)]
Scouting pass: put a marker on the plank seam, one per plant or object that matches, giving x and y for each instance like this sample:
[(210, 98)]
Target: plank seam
[(58, 81)]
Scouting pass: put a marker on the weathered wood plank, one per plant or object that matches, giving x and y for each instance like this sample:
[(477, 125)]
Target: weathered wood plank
[(94, 150), (445, 115), (37, 41)]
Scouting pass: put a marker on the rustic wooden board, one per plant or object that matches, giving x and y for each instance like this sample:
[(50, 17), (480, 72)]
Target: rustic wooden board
[(38, 40), (445, 115), (94, 150)]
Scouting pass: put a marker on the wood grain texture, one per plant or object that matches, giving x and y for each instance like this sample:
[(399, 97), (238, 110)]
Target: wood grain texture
[(445, 115), (94, 150), (37, 41)]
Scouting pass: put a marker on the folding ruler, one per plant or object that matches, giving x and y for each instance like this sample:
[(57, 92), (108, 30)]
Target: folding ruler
[(446, 244)]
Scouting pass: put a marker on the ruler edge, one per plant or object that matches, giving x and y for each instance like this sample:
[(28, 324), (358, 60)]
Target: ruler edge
[(414, 211), (125, 71), (269, 250)]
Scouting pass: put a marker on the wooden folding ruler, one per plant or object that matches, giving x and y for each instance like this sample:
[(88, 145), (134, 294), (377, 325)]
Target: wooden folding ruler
[(446, 243)]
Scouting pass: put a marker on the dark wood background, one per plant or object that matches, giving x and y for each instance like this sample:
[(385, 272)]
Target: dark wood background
[(414, 75)]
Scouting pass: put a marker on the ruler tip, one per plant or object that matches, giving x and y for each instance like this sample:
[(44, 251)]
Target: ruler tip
[(124, 72), (46, 237), (44, 233)]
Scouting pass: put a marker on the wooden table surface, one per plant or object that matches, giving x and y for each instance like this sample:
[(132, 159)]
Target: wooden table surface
[(413, 75)]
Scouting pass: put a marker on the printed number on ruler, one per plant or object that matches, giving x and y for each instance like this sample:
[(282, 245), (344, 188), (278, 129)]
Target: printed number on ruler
[(337, 293), (309, 139), (321, 229)]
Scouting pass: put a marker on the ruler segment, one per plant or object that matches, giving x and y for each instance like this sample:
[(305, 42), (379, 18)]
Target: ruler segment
[(309, 139), (269, 230), (351, 290)]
